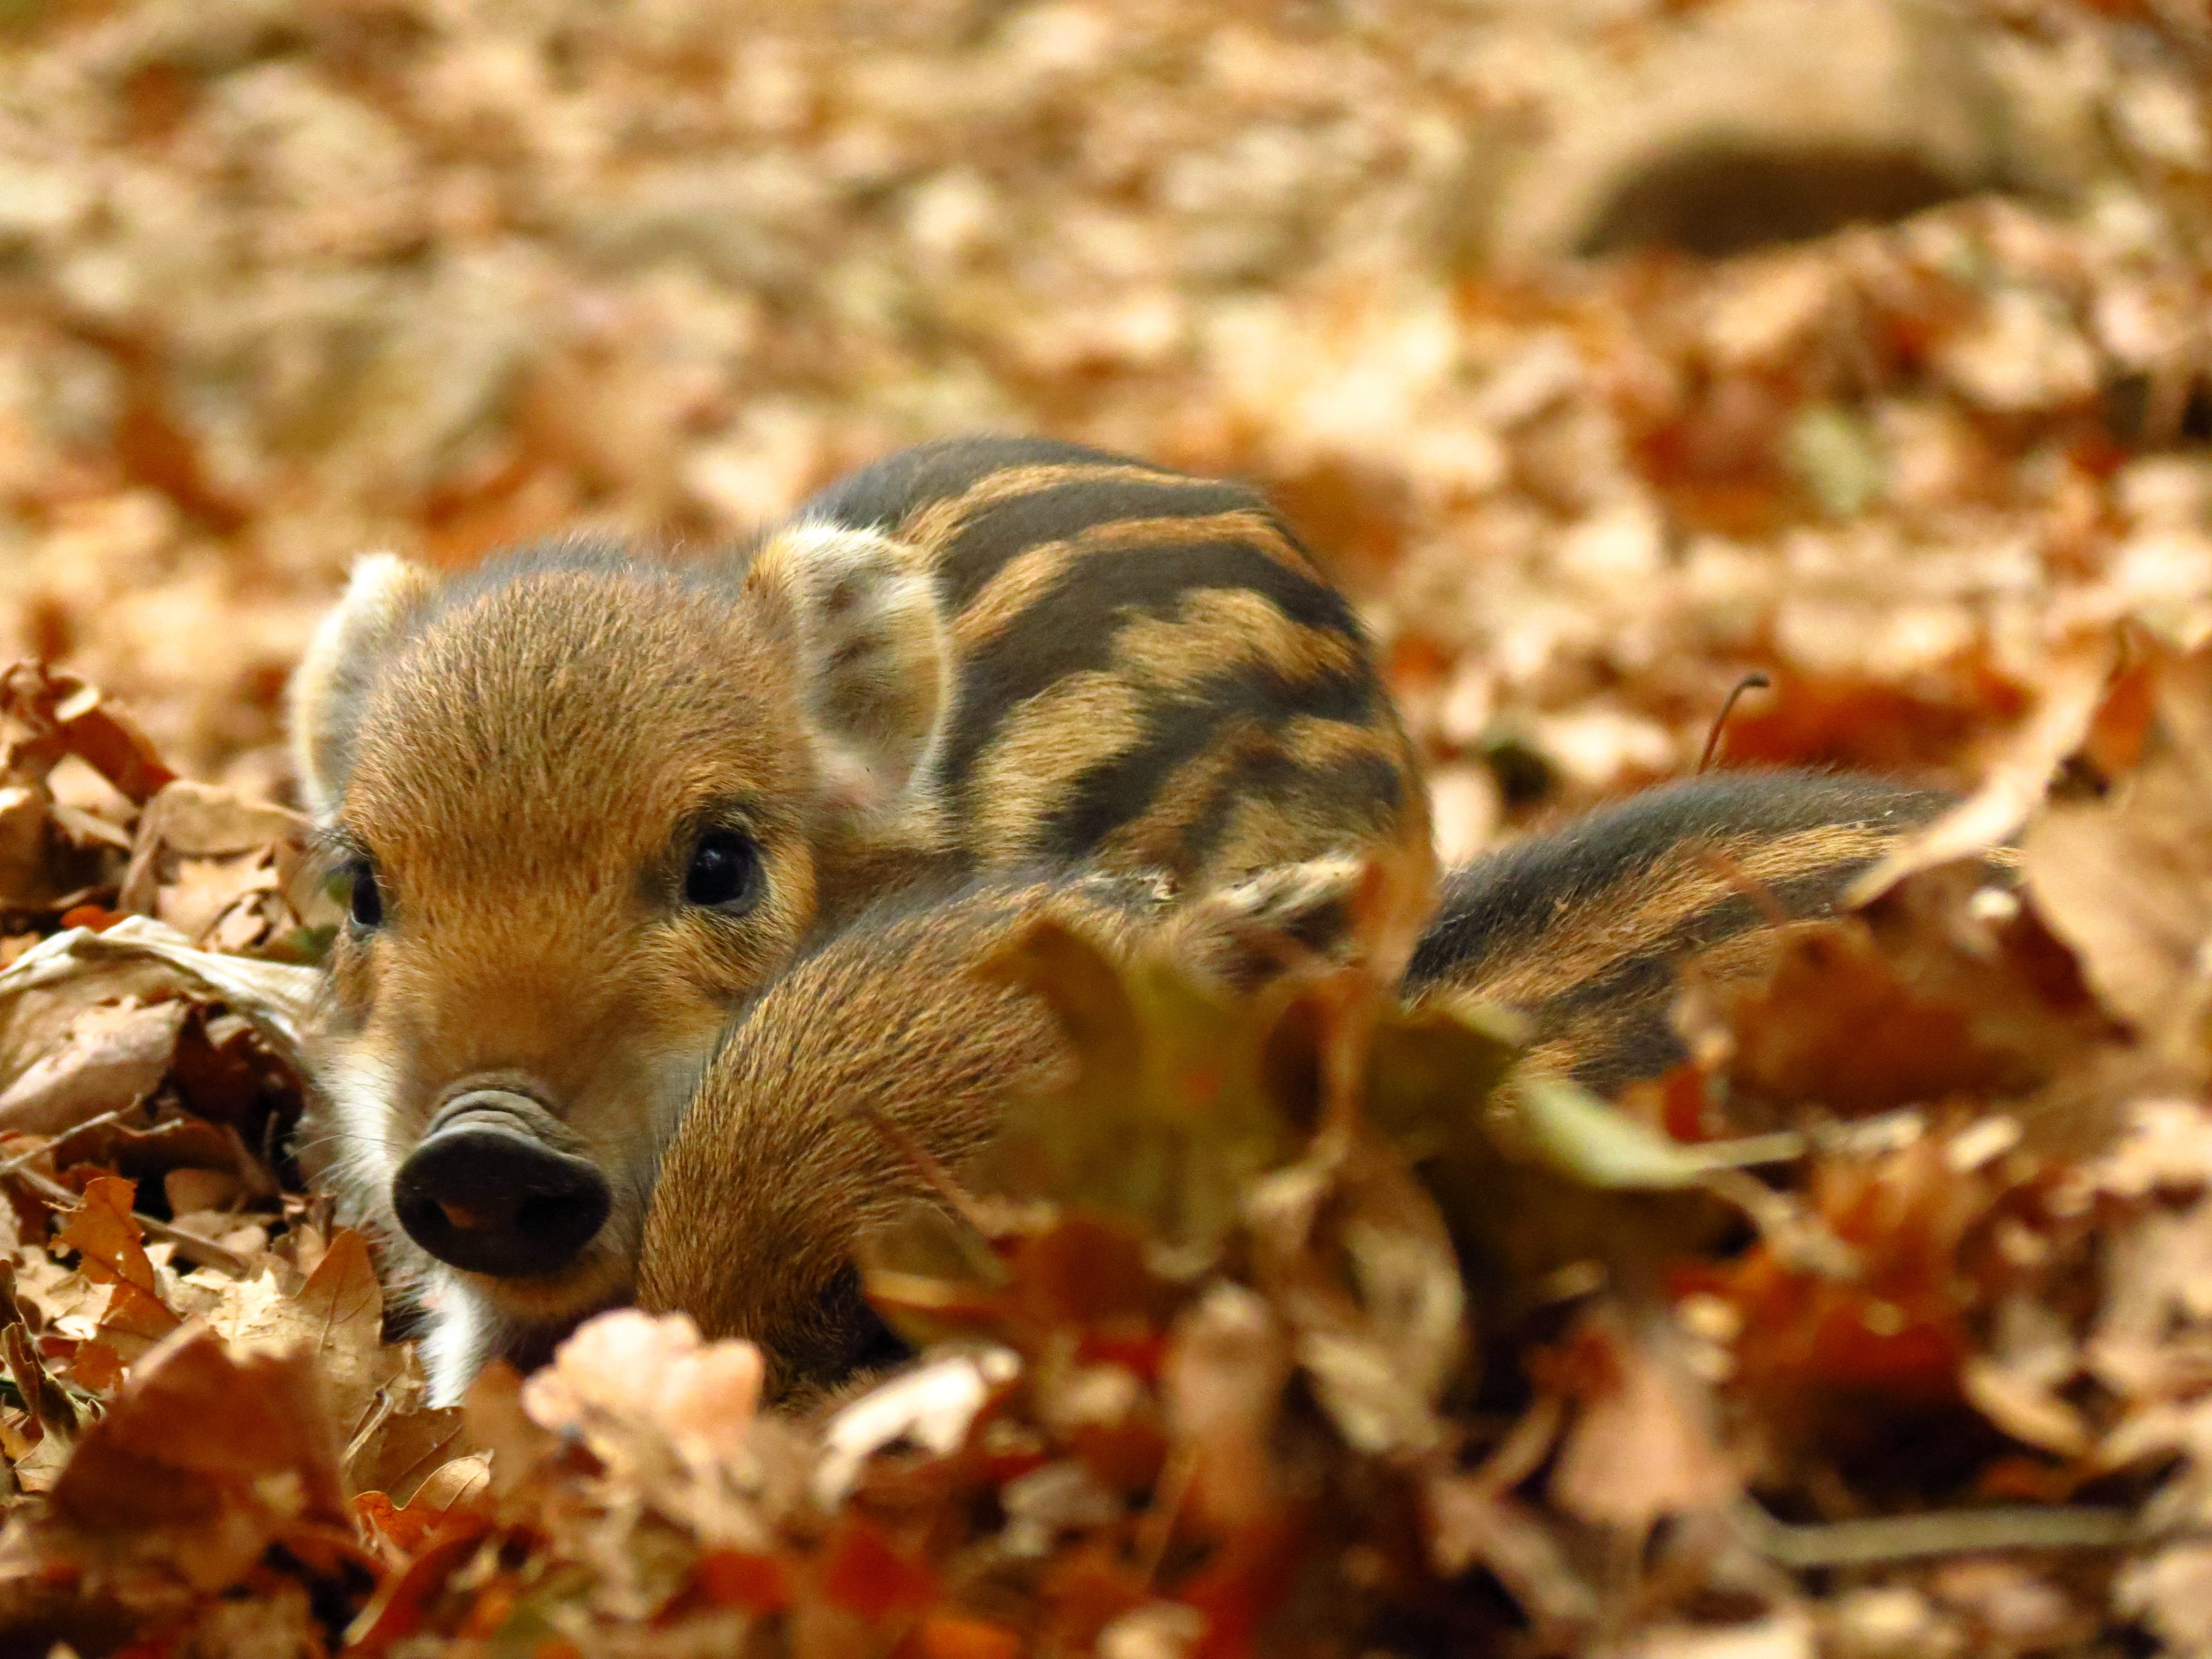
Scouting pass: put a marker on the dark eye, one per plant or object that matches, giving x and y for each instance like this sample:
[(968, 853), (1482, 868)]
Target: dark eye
[(365, 900), (724, 872)]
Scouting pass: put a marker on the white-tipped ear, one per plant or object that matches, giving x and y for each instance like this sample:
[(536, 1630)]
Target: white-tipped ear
[(325, 700), (873, 657)]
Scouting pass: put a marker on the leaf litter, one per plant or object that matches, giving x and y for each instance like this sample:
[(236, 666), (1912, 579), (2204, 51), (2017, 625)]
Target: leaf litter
[(1879, 1327), (1360, 1334)]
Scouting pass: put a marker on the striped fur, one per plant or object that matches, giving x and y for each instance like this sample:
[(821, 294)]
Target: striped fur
[(778, 1167), (1148, 668), (1587, 930), (973, 657)]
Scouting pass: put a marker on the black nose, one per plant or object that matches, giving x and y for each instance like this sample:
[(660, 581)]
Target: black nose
[(484, 1194)]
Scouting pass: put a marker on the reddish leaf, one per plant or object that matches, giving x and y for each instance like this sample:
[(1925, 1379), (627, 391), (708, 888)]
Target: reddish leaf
[(733, 1579), (103, 1229), (862, 1572)]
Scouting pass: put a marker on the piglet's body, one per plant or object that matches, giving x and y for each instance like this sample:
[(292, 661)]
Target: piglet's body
[(586, 805), (780, 1168)]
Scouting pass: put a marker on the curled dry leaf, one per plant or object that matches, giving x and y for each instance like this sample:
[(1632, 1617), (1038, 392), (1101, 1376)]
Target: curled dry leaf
[(2127, 882), (336, 1317), (1353, 1254), (668, 1413), (2076, 688), (200, 1463), (65, 716), (106, 1233), (932, 1406), (113, 1056), (633, 1364), (204, 859), (41, 990)]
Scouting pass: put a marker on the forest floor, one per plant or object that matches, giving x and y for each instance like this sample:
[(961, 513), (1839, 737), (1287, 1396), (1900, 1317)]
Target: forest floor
[(281, 282)]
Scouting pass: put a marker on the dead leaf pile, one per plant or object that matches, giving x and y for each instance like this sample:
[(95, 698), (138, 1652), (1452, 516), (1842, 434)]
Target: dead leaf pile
[(1290, 1320), (1299, 1324)]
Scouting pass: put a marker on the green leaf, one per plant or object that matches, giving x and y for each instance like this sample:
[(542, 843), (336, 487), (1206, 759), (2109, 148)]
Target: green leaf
[(1599, 1146)]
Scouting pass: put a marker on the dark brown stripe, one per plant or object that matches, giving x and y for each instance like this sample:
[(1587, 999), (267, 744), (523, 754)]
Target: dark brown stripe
[(1508, 903), (986, 538), (1072, 627), (886, 493), (1178, 729)]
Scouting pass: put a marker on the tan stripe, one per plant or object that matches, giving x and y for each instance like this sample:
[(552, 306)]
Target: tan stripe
[(1310, 823), (1623, 922), (934, 523), (1019, 584), (1031, 573), (1042, 746), (1155, 839), (1217, 630)]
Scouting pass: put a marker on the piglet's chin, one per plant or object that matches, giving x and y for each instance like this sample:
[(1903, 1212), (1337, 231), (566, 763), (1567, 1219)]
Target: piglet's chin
[(472, 1320)]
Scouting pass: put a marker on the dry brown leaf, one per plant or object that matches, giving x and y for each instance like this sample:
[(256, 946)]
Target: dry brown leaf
[(1642, 1444), (200, 1463), (2073, 686), (406, 1443), (2154, 1332), (1838, 1024), (105, 1231), (205, 892), (111, 1058), (1356, 1258), (452, 1487), (23, 862), (336, 1317), (2128, 882), (653, 1373), (44, 990), (73, 718)]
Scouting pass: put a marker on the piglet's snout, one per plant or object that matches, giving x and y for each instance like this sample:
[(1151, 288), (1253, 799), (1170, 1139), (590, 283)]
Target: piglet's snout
[(485, 1191)]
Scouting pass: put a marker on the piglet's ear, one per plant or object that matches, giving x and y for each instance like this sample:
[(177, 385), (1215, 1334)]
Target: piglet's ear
[(382, 600), (873, 655)]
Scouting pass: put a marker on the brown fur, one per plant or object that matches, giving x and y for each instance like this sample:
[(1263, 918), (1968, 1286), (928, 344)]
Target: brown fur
[(777, 1171), (767, 1201), (973, 657)]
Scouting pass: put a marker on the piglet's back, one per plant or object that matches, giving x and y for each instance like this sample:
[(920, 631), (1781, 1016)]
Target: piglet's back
[(1144, 668)]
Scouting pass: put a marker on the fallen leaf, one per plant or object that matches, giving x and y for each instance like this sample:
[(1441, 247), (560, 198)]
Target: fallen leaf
[(1642, 1444), (201, 1461), (2127, 882), (140, 957), (105, 1231), (111, 1058), (2075, 687), (931, 1405)]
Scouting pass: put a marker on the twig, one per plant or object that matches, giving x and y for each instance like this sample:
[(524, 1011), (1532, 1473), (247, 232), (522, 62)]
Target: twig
[(1754, 681), (188, 1245), (1947, 1532), (23, 1160)]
